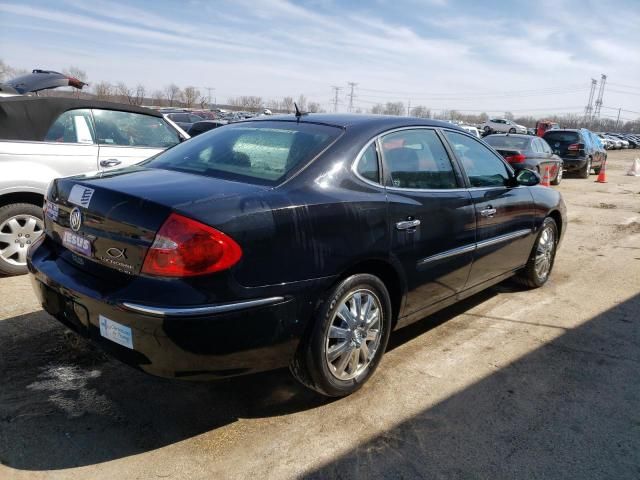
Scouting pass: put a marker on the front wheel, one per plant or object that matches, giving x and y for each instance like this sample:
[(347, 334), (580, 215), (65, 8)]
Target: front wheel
[(512, 130), (538, 268), (20, 225), (349, 335)]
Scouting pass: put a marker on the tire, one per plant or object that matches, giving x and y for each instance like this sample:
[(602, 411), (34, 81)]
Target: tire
[(487, 129), (512, 130), (558, 179), (20, 225), (543, 254), (337, 364), (585, 171)]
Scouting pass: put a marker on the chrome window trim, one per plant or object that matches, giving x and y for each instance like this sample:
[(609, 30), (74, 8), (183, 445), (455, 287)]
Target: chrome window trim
[(354, 165), (201, 310)]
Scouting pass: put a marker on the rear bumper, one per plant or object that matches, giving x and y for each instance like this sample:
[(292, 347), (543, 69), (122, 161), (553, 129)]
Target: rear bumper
[(222, 340), (572, 163)]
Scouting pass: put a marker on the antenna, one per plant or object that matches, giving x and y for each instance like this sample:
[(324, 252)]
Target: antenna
[(299, 113)]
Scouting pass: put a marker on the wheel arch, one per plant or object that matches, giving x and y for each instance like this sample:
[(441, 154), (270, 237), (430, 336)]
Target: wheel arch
[(33, 198), (557, 217)]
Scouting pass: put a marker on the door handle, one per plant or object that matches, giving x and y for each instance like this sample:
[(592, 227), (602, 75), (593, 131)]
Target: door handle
[(488, 212), (112, 162), (407, 224)]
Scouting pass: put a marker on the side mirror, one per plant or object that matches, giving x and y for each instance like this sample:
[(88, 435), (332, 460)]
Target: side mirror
[(527, 178)]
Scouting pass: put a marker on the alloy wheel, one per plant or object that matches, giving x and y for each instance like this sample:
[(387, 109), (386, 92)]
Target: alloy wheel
[(17, 233), (544, 252), (354, 335)]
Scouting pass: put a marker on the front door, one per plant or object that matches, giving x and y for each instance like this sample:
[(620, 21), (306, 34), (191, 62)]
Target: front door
[(126, 138), (431, 216), (504, 213)]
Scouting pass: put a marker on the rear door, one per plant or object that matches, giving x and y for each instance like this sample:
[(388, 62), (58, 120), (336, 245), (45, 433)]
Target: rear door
[(431, 215), (503, 214), (126, 138)]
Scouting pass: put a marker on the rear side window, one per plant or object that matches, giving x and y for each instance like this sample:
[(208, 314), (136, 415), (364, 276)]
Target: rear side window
[(74, 126), (368, 166), (518, 143), (561, 137), (417, 159), (263, 151), (483, 167), (133, 130)]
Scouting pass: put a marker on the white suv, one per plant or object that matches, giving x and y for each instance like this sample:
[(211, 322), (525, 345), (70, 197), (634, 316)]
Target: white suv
[(502, 125)]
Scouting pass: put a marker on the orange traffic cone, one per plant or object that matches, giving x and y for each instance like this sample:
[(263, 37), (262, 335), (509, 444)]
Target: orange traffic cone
[(602, 174), (546, 182)]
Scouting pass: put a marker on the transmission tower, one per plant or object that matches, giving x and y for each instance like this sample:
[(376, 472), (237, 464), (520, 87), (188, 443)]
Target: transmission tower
[(603, 80), (351, 95), (336, 92), (588, 110)]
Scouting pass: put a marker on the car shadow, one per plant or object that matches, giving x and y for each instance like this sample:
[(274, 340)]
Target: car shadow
[(64, 403)]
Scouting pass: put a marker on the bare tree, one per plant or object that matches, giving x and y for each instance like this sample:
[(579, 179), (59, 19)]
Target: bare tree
[(191, 96), (377, 109), (394, 108), (421, 112), (273, 104), (508, 115), (103, 90), (124, 93), (157, 98), (287, 104), (302, 103), (314, 107), (139, 96), (173, 94), (5, 70)]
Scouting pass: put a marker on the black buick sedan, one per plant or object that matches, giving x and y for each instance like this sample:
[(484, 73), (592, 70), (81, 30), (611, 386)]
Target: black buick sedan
[(300, 241)]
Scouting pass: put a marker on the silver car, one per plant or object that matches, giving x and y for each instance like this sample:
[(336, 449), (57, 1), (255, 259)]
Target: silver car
[(45, 138)]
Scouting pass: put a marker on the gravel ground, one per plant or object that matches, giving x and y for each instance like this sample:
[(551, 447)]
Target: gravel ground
[(508, 384)]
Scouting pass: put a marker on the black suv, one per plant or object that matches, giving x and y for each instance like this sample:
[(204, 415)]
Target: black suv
[(577, 150)]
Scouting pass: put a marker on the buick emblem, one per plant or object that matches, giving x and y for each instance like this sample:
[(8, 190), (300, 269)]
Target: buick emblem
[(114, 252), (75, 219)]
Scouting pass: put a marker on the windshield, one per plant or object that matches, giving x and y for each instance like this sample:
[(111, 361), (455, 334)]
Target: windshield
[(517, 143), (262, 152)]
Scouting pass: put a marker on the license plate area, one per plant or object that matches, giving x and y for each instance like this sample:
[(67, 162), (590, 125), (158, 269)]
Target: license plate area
[(77, 242)]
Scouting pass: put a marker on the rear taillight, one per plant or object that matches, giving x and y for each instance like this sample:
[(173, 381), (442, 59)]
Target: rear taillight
[(576, 146), (184, 247), (519, 158)]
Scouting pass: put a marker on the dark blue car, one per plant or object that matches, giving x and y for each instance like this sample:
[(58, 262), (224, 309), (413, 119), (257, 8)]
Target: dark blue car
[(300, 241)]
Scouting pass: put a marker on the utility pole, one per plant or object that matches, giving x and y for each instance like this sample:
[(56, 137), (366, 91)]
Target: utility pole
[(618, 119), (409, 108), (209, 96), (603, 80), (336, 92), (351, 95)]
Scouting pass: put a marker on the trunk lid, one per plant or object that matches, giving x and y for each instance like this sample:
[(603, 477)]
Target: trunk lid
[(111, 218)]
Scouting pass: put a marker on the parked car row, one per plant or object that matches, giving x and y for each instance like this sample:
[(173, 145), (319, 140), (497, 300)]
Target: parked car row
[(617, 141)]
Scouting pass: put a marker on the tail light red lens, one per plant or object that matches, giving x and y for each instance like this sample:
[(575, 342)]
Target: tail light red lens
[(184, 247), (519, 158), (575, 146)]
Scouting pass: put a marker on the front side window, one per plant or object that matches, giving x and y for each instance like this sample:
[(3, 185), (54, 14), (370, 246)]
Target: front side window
[(261, 152), (417, 159), (74, 126), (368, 164), (483, 167), (133, 130)]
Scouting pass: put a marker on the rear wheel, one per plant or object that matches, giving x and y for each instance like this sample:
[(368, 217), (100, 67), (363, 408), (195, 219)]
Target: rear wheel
[(347, 339), (585, 171), (20, 225), (538, 268)]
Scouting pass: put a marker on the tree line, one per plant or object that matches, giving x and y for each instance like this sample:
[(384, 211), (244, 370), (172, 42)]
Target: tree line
[(191, 97)]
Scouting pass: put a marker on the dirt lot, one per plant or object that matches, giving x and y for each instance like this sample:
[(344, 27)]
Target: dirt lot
[(509, 384)]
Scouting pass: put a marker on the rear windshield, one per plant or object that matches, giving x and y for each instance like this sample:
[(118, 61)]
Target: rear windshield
[(517, 143), (261, 152), (561, 137)]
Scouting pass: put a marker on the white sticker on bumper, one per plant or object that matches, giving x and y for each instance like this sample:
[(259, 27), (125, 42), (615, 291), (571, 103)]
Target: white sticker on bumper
[(115, 332)]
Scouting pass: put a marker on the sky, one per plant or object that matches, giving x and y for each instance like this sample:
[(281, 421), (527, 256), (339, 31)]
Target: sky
[(527, 57)]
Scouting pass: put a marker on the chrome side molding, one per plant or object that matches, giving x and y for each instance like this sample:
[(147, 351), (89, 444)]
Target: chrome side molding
[(201, 310)]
